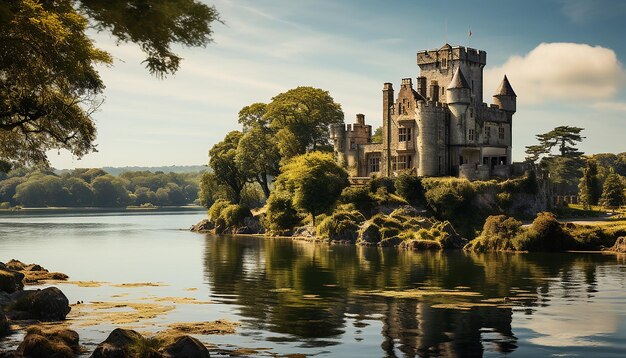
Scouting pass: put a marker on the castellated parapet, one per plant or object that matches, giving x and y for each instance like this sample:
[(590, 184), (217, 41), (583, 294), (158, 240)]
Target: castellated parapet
[(442, 127)]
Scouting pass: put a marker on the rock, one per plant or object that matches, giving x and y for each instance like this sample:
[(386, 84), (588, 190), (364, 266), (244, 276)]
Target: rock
[(49, 342), (10, 280), (49, 304), (15, 265), (369, 234), (4, 324), (124, 343), (620, 245), (304, 232), (406, 211), (390, 242), (205, 225), (185, 347)]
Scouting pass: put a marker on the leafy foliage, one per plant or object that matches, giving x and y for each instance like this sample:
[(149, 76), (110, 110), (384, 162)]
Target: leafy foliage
[(315, 181), (280, 216), (612, 192), (50, 85), (300, 117), (94, 187), (342, 225)]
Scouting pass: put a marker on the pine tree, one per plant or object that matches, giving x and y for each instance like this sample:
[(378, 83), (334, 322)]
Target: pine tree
[(612, 192), (589, 188)]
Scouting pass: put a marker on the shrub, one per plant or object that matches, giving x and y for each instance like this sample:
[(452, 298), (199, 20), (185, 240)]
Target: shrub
[(545, 234), (227, 216), (359, 196), (233, 215), (216, 209), (341, 226), (280, 216), (382, 182), (409, 187), (498, 234), (5, 205)]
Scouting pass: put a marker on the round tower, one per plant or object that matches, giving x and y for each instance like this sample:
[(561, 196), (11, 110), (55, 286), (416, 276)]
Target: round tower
[(505, 97), (427, 145), (458, 94)]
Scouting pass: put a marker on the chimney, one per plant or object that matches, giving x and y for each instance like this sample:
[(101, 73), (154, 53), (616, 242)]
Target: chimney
[(360, 119), (421, 86)]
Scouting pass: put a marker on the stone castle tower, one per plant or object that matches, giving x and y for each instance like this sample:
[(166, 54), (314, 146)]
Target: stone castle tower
[(442, 127)]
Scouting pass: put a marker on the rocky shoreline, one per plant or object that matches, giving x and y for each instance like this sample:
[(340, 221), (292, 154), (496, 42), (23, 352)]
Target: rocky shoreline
[(43, 313)]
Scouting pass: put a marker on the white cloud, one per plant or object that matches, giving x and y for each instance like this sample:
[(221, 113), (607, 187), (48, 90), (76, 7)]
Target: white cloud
[(561, 71)]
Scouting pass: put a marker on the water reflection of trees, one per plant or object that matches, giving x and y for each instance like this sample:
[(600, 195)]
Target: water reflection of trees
[(306, 291)]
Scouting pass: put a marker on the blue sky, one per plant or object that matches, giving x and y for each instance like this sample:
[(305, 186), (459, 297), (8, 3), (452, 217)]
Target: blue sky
[(564, 60)]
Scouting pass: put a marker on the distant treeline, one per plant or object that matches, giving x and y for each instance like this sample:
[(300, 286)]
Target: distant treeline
[(95, 187)]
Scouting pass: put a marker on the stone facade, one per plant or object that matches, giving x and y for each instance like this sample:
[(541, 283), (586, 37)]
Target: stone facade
[(440, 128)]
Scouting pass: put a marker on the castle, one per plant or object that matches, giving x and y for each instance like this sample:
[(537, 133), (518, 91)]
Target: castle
[(441, 128)]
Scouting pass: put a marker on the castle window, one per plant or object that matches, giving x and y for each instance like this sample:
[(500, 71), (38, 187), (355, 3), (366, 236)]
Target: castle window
[(470, 134), (374, 163), (501, 132), (402, 162), (404, 134), (487, 131), (352, 144), (444, 62)]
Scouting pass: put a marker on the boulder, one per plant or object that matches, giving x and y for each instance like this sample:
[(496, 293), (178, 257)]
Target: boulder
[(49, 304), (304, 232), (620, 245), (405, 211), (205, 225), (185, 347), (43, 342), (369, 234), (10, 280), (124, 343)]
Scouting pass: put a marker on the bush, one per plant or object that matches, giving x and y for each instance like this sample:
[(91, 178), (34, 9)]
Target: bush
[(409, 187), (359, 196), (498, 234), (382, 182), (341, 226), (280, 216), (545, 234), (233, 215), (216, 209), (227, 216), (5, 205)]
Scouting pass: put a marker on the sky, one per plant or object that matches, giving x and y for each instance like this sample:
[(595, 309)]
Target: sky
[(564, 59)]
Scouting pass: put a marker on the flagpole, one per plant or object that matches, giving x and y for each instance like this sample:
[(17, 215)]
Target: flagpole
[(469, 37)]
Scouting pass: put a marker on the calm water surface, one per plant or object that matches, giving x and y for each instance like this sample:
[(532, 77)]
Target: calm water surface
[(296, 297)]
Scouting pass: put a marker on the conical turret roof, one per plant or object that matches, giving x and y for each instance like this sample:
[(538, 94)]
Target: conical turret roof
[(505, 88), (458, 80)]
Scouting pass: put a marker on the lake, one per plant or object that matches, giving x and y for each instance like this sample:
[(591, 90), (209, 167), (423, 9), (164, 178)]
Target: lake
[(293, 297)]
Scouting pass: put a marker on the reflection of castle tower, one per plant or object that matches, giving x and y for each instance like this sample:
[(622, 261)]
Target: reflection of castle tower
[(441, 128)]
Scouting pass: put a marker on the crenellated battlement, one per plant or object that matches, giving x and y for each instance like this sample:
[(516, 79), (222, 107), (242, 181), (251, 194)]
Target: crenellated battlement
[(450, 53)]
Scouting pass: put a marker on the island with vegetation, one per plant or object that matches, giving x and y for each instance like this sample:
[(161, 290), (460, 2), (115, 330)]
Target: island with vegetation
[(283, 151)]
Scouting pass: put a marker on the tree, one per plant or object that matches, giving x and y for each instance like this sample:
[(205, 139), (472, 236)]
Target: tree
[(212, 190), (253, 116), (225, 168), (589, 188), (109, 191), (377, 137), (315, 180), (257, 150), (612, 192), (80, 192), (301, 117), (50, 86), (564, 168)]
